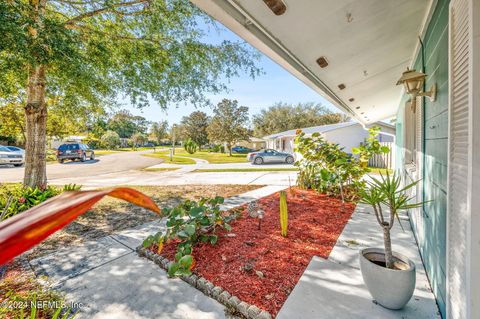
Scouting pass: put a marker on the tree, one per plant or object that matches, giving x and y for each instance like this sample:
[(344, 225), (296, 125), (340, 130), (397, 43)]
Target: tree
[(228, 124), (126, 124), (110, 140), (12, 122), (87, 52), (283, 117), (138, 139), (62, 120), (159, 131), (195, 127)]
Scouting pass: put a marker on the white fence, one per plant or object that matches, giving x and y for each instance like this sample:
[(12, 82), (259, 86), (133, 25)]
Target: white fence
[(384, 160)]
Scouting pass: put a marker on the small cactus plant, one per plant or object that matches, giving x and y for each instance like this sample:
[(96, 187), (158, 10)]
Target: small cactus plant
[(283, 213)]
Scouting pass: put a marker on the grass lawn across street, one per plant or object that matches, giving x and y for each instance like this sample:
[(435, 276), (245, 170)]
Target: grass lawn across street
[(166, 157), (216, 158), (221, 170)]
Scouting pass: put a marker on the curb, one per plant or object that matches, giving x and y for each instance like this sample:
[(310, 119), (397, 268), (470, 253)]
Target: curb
[(238, 306)]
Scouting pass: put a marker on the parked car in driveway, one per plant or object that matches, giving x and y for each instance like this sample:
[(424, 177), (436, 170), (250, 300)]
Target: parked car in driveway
[(241, 149), (270, 156), (7, 157), (74, 151)]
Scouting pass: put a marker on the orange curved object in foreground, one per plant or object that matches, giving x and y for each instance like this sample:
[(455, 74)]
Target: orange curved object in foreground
[(25, 230)]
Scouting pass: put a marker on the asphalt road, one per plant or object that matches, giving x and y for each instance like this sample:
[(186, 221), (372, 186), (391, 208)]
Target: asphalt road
[(106, 164)]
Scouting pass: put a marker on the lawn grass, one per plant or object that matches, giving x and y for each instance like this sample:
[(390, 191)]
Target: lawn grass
[(160, 169), (220, 170), (378, 171), (175, 159), (215, 158)]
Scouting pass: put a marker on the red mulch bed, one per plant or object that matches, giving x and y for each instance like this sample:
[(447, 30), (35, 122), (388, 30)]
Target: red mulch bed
[(314, 223)]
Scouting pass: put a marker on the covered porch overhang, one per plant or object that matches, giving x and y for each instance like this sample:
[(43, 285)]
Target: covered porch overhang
[(365, 44)]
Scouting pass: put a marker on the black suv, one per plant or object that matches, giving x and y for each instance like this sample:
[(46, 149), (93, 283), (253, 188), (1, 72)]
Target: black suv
[(74, 151)]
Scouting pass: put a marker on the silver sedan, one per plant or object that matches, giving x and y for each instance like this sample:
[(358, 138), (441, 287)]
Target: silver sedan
[(8, 157), (270, 156)]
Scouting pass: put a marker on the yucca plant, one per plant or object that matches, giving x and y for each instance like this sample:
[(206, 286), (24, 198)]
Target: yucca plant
[(387, 192), (283, 213), (190, 146)]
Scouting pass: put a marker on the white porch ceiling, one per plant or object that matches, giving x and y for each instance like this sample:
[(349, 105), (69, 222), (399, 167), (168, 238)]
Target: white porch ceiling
[(367, 52)]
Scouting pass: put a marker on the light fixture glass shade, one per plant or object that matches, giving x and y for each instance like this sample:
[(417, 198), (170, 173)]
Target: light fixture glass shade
[(412, 80), (414, 85)]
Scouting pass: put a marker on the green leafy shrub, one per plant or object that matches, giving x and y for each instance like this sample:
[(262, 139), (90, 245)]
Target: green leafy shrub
[(71, 187), (92, 142), (218, 149), (187, 224), (327, 168), (110, 140), (51, 155), (370, 147), (21, 198), (190, 146)]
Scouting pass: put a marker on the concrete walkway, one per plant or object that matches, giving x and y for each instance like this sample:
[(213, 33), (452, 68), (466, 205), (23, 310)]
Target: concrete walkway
[(334, 288), (107, 279)]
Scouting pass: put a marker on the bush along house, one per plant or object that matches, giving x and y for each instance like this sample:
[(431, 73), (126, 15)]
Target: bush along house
[(414, 60)]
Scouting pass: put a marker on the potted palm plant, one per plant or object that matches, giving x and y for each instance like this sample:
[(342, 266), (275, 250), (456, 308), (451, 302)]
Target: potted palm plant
[(389, 276)]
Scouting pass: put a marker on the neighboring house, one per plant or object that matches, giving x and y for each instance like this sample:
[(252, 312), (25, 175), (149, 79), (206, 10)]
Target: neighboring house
[(345, 134), (353, 53), (55, 142), (254, 143)]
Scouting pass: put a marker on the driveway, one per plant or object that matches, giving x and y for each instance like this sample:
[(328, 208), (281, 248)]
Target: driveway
[(107, 164)]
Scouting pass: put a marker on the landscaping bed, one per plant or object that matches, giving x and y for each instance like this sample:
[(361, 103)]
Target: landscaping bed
[(261, 267), (112, 215)]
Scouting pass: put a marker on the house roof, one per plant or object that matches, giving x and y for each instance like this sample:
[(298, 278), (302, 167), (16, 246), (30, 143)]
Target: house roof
[(313, 129)]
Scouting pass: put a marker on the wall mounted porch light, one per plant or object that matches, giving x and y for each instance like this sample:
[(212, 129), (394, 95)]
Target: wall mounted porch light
[(413, 82)]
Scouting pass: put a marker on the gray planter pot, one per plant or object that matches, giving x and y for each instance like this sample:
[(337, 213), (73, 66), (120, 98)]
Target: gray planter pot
[(391, 288)]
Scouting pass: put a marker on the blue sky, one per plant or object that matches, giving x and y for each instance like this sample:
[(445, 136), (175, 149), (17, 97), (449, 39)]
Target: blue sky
[(275, 85)]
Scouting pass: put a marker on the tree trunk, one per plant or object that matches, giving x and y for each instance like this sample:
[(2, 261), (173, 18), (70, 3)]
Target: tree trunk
[(229, 146), (388, 247), (36, 126)]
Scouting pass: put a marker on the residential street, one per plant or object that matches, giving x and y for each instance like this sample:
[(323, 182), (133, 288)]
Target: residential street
[(126, 168), (114, 163)]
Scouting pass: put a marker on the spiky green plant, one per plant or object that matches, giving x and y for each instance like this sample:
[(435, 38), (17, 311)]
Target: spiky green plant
[(190, 146), (283, 213), (387, 192)]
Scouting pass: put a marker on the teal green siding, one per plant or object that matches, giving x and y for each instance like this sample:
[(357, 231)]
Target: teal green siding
[(435, 149)]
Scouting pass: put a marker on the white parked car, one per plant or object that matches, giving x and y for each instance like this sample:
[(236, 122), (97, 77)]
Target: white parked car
[(7, 157), (16, 149)]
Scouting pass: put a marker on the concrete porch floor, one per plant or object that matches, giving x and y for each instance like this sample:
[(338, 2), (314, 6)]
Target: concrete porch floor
[(334, 288)]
